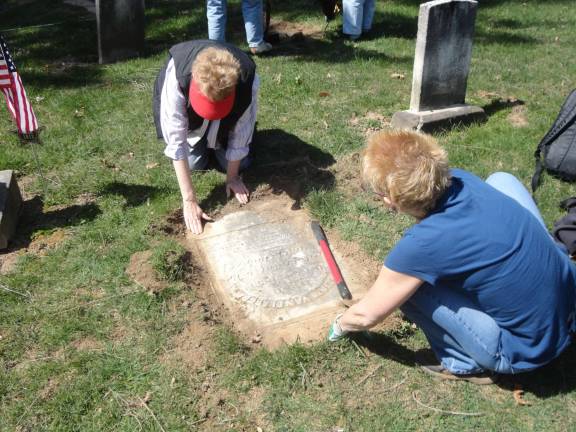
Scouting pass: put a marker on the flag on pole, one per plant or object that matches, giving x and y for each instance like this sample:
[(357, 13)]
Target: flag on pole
[(15, 95)]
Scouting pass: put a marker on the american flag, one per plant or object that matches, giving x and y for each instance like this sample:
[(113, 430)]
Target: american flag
[(11, 86)]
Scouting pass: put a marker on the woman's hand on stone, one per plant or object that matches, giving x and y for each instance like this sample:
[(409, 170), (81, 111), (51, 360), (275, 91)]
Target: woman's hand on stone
[(236, 186), (193, 216)]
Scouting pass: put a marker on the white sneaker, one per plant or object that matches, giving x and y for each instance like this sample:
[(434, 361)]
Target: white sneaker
[(261, 48)]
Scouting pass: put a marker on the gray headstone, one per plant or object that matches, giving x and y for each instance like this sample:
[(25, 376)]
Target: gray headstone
[(10, 203), (441, 66), (267, 268), (120, 29)]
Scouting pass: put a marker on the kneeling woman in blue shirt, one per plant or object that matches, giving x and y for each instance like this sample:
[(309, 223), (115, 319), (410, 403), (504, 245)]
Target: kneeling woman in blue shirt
[(478, 272)]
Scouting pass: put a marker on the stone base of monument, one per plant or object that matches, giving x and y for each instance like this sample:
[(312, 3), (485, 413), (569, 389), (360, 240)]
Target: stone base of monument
[(433, 120), (10, 203), (268, 271)]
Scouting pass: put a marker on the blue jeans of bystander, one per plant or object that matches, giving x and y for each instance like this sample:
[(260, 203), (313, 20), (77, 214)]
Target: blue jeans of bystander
[(357, 16), (251, 11)]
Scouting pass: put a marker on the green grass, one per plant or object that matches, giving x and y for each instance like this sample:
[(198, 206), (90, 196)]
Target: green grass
[(81, 344)]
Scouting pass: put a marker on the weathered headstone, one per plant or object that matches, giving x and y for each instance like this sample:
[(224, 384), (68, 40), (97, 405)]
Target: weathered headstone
[(268, 270), (10, 203), (441, 66), (120, 29)]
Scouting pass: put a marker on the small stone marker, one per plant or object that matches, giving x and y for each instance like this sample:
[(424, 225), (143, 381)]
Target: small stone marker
[(10, 203), (268, 270), (441, 65), (120, 29)]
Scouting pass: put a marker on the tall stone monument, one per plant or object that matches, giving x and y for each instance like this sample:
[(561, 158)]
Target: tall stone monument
[(120, 29), (441, 65), (10, 203)]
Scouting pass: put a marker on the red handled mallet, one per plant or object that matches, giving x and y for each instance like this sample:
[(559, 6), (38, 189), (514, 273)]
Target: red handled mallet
[(332, 265)]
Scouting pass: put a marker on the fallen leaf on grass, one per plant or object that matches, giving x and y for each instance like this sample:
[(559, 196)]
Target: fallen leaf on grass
[(152, 165), (109, 165), (79, 112), (323, 94), (519, 396), (397, 76)]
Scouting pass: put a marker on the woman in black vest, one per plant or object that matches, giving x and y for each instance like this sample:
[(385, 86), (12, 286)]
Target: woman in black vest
[(205, 97)]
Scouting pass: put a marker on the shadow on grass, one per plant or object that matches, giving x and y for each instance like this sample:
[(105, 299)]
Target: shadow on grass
[(386, 346), (134, 194), (557, 377), (285, 163), (500, 104), (332, 49), (33, 219)]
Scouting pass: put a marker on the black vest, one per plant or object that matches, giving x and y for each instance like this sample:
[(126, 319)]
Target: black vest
[(184, 55)]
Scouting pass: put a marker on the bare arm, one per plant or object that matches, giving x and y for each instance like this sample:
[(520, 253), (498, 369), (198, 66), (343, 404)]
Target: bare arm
[(193, 214), (234, 183), (390, 291)]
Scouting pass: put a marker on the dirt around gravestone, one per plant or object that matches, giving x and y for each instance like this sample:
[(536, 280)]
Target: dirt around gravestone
[(240, 244), (267, 271)]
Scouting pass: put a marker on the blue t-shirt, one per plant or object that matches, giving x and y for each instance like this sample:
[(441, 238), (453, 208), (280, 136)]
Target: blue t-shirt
[(481, 242)]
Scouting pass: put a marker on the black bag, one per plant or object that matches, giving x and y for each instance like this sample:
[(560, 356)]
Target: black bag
[(328, 9), (565, 227), (558, 147)]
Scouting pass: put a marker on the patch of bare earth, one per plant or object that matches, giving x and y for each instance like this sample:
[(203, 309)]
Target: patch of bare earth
[(517, 117), (87, 344), (369, 123), (288, 29), (141, 271), (347, 171)]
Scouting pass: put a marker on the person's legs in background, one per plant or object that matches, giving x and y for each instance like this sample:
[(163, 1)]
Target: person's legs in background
[(511, 186), (352, 18), (216, 14), (369, 9), (252, 11), (465, 340)]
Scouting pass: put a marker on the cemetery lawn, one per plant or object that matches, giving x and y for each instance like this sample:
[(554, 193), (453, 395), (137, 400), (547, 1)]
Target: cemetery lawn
[(84, 347)]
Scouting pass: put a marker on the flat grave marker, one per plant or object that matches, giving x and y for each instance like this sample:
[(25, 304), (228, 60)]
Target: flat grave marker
[(268, 270)]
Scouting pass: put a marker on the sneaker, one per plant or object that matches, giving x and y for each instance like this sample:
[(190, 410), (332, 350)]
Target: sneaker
[(261, 48), (350, 37), (438, 371)]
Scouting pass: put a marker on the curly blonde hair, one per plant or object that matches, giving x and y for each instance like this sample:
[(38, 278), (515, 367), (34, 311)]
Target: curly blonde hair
[(216, 71), (409, 168)]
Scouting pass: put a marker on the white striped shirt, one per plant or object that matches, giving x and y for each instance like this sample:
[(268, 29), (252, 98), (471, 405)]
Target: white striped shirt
[(174, 122)]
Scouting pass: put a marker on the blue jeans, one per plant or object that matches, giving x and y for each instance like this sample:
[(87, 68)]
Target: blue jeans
[(199, 156), (357, 16), (252, 13), (465, 339)]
